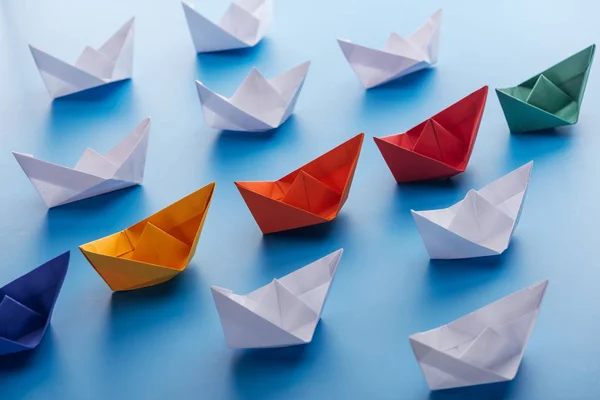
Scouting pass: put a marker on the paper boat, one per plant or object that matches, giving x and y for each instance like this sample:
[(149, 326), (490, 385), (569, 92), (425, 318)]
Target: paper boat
[(481, 224), (94, 174), (154, 250), (399, 57), (439, 147), (550, 99), (112, 62), (312, 194), (244, 24), (258, 105), (26, 305), (485, 346), (282, 313)]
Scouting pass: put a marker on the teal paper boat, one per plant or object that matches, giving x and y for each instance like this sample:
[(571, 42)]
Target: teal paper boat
[(550, 99)]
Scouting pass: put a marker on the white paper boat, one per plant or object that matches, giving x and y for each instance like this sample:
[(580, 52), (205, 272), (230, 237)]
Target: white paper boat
[(112, 62), (244, 24), (283, 313), (258, 105), (485, 346), (481, 224), (399, 57), (94, 174)]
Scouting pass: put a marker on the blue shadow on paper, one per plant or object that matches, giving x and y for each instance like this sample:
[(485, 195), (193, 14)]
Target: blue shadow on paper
[(524, 147), (456, 276), (303, 245), (281, 366), (138, 309), (237, 151), (67, 114), (217, 65), (400, 91)]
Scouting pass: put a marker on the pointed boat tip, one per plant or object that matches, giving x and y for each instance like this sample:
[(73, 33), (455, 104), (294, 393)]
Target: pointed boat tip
[(304, 66), (483, 91), (59, 264), (220, 290), (34, 50), (527, 166), (346, 45), (129, 24), (540, 287), (84, 248), (19, 156), (210, 187), (360, 136)]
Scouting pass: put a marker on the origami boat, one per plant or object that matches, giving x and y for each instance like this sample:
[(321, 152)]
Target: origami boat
[(399, 57), (481, 224), (439, 147), (485, 346), (282, 313), (258, 105), (550, 99), (26, 305), (112, 62), (244, 24), (94, 174), (154, 250), (312, 194)]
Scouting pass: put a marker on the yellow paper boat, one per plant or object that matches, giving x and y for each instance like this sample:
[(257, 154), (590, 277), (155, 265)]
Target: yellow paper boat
[(153, 250)]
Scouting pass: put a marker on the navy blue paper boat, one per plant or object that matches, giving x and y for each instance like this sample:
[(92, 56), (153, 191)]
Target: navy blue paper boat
[(26, 305)]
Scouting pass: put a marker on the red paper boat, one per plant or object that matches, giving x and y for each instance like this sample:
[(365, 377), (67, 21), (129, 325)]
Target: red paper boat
[(439, 147), (312, 194)]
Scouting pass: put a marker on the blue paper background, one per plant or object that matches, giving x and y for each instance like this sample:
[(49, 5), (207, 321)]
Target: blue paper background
[(166, 342)]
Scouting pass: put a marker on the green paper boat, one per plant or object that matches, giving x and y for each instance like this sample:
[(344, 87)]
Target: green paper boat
[(549, 99)]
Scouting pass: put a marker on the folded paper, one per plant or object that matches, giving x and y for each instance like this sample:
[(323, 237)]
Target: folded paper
[(26, 305), (110, 63), (244, 24), (485, 346), (550, 99), (399, 57), (439, 147), (258, 105), (312, 194), (154, 250), (481, 224), (282, 313), (94, 174)]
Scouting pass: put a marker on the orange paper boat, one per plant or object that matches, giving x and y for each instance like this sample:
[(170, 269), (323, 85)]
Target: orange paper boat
[(439, 147), (312, 194), (153, 250)]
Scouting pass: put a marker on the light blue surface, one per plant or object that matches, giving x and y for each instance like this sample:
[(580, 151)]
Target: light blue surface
[(166, 342)]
